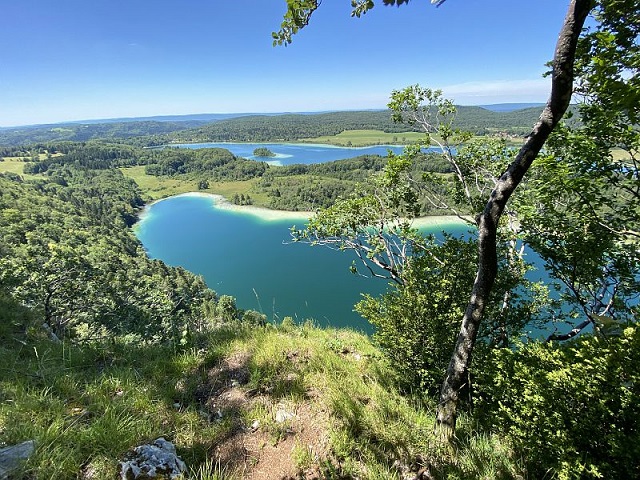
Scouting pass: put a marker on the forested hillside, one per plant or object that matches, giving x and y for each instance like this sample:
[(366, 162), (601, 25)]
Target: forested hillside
[(261, 128), (294, 187), (309, 187), (67, 251), (77, 132)]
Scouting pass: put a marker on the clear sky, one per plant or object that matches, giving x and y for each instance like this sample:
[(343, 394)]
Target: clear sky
[(63, 60)]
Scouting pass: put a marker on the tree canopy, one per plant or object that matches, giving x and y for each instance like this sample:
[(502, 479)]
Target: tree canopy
[(577, 184)]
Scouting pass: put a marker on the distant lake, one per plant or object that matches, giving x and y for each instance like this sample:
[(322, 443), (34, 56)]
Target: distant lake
[(292, 153), (252, 259)]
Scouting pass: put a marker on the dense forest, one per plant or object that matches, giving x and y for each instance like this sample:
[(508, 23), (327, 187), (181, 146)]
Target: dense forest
[(67, 251), (310, 187)]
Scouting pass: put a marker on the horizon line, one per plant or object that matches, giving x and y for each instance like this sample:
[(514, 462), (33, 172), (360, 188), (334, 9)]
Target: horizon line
[(128, 119)]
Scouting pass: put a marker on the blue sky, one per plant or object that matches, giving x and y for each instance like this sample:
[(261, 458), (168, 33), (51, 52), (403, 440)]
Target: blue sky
[(63, 60)]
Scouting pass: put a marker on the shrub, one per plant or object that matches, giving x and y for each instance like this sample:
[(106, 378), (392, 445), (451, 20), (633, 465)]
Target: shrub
[(572, 409), (417, 323)]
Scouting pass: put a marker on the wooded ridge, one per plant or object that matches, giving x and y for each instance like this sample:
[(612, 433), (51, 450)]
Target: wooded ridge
[(259, 128)]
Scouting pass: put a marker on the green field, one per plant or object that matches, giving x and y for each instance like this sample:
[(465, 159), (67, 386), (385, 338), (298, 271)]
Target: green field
[(362, 138), (159, 187), (156, 187), (365, 138), (15, 165)]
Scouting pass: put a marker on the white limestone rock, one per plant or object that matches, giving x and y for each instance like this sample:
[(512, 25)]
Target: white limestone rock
[(158, 460)]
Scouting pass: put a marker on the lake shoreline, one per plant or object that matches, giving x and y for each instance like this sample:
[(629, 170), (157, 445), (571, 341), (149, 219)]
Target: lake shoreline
[(270, 215)]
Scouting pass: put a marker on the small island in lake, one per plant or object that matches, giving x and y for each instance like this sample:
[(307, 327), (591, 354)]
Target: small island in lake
[(263, 152)]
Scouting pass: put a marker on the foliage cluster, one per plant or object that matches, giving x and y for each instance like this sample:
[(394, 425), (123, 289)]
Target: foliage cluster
[(309, 187), (217, 163), (66, 251), (577, 210), (592, 194), (572, 409), (416, 322), (263, 152), (241, 199)]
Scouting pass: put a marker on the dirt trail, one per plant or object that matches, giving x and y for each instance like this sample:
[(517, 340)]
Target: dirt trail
[(290, 443)]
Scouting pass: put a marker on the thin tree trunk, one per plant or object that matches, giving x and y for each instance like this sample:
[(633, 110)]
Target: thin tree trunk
[(487, 221)]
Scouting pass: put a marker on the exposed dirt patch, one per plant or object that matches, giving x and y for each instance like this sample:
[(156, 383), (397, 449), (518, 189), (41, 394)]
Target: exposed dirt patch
[(289, 442), (231, 372), (296, 453)]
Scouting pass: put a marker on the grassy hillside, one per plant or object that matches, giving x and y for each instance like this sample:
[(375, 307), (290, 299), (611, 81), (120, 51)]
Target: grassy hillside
[(221, 401), (14, 165)]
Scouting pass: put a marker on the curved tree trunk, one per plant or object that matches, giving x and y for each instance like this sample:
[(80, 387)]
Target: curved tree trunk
[(487, 221)]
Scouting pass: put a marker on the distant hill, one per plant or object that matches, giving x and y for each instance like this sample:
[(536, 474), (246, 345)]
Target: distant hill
[(240, 127), (510, 107), (290, 127), (77, 132), (190, 118), (195, 117)]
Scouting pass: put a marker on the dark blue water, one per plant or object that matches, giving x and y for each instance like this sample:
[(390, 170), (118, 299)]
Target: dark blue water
[(253, 260), (292, 153)]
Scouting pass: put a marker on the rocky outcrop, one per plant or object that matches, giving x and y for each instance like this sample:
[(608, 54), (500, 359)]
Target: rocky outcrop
[(158, 460)]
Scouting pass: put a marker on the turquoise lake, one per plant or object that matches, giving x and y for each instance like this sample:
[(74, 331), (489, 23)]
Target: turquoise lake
[(253, 259)]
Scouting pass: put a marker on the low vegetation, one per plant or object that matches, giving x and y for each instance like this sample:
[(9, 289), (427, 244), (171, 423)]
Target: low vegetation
[(217, 400)]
